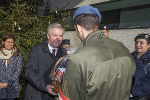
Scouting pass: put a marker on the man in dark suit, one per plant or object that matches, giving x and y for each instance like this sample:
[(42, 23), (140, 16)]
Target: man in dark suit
[(40, 63)]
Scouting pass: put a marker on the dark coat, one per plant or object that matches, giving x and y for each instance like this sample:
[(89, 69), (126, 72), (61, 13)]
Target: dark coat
[(38, 69), (141, 84)]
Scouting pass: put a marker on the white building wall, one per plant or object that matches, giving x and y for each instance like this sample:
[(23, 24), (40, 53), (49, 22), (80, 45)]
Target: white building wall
[(126, 36)]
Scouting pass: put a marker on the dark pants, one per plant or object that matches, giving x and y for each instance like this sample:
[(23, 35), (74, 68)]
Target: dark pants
[(7, 99), (141, 98)]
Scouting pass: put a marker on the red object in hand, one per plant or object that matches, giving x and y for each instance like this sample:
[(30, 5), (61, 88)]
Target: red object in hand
[(62, 96), (59, 73)]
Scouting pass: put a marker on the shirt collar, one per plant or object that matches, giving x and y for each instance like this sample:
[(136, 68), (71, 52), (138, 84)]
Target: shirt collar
[(51, 49)]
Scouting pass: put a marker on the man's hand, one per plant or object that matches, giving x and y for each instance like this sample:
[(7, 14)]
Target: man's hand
[(49, 89), (3, 85)]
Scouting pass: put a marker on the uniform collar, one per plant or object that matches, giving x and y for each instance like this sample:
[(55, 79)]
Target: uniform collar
[(93, 35)]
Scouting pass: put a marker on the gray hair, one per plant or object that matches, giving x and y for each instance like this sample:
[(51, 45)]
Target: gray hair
[(54, 25)]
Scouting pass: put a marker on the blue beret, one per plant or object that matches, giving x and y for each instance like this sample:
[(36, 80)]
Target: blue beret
[(87, 10)]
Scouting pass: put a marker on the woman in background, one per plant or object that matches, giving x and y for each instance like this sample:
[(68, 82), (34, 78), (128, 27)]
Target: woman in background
[(140, 89), (10, 68)]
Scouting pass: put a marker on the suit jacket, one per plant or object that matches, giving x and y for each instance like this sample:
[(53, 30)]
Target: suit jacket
[(38, 69)]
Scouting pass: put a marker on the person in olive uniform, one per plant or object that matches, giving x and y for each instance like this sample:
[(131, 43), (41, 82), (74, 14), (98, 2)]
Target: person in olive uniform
[(102, 69)]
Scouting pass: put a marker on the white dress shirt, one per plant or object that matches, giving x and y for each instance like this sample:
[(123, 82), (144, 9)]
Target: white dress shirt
[(51, 49)]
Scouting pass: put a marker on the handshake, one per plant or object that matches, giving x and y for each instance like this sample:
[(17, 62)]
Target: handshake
[(3, 85)]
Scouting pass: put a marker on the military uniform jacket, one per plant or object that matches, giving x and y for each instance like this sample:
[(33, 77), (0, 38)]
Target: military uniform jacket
[(101, 70)]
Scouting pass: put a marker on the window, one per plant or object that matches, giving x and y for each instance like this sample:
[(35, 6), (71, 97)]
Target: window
[(131, 17)]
